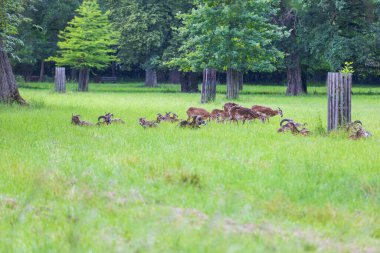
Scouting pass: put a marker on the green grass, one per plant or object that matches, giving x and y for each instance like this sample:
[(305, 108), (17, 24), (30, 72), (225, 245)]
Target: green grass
[(223, 188)]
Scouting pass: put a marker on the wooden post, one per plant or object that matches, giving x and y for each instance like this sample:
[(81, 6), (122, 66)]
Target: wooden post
[(339, 87), (208, 86), (60, 80)]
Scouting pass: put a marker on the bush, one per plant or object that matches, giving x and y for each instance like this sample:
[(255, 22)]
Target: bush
[(19, 79)]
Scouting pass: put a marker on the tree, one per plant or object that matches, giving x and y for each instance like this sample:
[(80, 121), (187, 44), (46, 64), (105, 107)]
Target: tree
[(324, 34), (338, 31), (144, 26), (293, 46), (48, 17), (87, 42), (189, 82), (146, 32), (10, 18), (232, 36)]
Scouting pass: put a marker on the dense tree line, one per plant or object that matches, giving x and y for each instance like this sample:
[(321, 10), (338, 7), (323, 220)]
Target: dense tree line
[(290, 38)]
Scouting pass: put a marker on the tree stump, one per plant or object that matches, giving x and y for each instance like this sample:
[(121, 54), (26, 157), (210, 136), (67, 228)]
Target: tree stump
[(339, 87), (208, 85), (60, 80)]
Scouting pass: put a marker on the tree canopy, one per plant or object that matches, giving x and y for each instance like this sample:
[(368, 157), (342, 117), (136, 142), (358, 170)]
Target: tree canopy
[(146, 31), (338, 31), (87, 40), (145, 28), (11, 16), (41, 33), (229, 34)]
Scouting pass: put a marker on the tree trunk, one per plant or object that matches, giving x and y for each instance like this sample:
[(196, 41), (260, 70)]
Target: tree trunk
[(189, 82), (294, 76), (304, 78), (208, 85), (74, 75), (232, 83), (84, 75), (60, 80), (8, 88), (174, 76), (113, 69), (27, 70), (162, 76), (42, 71), (151, 78), (241, 76)]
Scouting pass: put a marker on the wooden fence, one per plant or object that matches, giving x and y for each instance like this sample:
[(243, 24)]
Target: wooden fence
[(339, 100)]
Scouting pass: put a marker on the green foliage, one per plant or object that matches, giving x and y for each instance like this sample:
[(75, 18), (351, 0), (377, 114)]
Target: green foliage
[(11, 16), (339, 30), (145, 28), (48, 17), (88, 39), (229, 34), (347, 69)]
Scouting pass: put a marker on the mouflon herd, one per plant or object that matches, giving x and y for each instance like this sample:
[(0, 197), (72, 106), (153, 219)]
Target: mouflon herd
[(231, 112)]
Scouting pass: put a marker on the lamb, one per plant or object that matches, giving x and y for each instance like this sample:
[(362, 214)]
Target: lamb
[(216, 113), (170, 118), (159, 118), (174, 118), (242, 113), (193, 111), (75, 120), (267, 111), (146, 123), (222, 116), (167, 117)]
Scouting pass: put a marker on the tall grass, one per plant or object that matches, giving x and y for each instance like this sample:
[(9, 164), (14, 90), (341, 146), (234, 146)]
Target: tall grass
[(223, 188)]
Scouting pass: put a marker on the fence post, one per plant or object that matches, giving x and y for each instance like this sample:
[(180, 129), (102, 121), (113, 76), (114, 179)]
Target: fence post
[(339, 87), (60, 80)]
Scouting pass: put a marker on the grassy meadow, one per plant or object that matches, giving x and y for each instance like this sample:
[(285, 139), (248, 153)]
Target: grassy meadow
[(222, 188)]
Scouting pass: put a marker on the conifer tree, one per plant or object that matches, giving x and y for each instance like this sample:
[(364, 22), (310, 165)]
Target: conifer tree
[(86, 43)]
